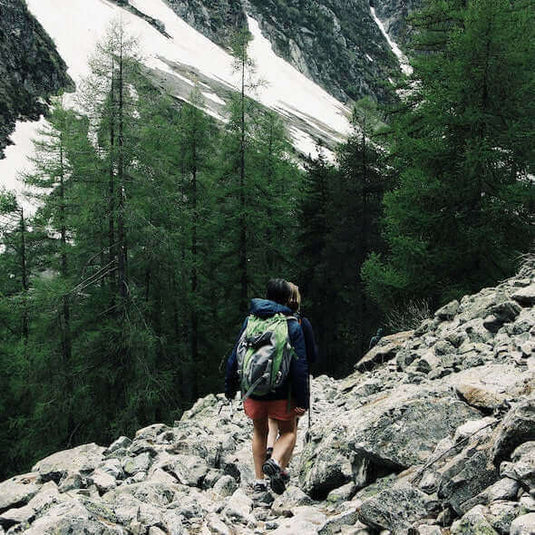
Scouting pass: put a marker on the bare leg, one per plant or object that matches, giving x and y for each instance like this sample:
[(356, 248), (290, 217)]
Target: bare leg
[(273, 432), (284, 445), (260, 433)]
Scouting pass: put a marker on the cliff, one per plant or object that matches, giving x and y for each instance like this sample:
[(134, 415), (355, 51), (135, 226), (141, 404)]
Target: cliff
[(335, 43), (30, 68), (433, 434)]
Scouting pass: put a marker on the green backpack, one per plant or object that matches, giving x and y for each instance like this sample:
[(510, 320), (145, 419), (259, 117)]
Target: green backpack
[(264, 354)]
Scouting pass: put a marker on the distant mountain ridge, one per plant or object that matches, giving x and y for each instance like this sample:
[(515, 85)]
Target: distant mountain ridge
[(336, 44)]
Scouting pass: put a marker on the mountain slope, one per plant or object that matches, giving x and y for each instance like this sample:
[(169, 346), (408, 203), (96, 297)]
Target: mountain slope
[(434, 436), (178, 56), (30, 68)]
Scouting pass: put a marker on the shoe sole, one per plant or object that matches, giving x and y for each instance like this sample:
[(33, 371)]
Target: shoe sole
[(275, 478)]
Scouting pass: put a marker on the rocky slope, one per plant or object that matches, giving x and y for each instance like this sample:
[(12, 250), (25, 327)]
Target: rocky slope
[(433, 434), (335, 43), (30, 68), (393, 14)]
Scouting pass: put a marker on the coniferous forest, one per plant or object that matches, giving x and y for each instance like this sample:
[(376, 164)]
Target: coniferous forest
[(122, 295)]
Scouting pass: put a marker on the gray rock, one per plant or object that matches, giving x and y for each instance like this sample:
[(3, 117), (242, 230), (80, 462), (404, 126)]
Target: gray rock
[(120, 443), (239, 508), (523, 525), (72, 517), (501, 514), (467, 475), (225, 486), (326, 467), (285, 504), (139, 463), (447, 312), (113, 467), (477, 332), (424, 529), (18, 491), (188, 469), (406, 357), (103, 481), (81, 460), (474, 522), (505, 311), (334, 524), (342, 494), (306, 519), (385, 350), (506, 489), (523, 465), (525, 296), (443, 347), (217, 526), (396, 509), (517, 427), (480, 397), (527, 504), (474, 430)]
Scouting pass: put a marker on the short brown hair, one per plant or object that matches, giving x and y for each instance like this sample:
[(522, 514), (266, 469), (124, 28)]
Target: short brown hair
[(278, 290)]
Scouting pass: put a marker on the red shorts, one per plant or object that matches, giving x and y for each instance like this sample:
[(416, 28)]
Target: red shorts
[(276, 409)]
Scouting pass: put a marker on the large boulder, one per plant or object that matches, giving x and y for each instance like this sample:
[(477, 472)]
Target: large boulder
[(386, 349), (517, 427), (523, 525), (466, 476), (80, 461), (18, 491), (396, 509), (389, 433)]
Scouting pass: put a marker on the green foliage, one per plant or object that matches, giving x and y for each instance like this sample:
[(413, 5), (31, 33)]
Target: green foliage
[(340, 215), (461, 213), (122, 296)]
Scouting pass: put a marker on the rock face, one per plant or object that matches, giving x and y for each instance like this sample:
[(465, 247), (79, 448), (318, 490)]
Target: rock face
[(438, 438), (30, 68), (394, 13), (335, 43)]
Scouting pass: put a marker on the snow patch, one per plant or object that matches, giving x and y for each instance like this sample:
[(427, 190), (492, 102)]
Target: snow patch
[(403, 61), (16, 160), (76, 26), (213, 97)]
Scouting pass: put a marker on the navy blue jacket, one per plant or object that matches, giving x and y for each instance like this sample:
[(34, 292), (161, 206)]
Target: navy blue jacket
[(310, 341), (297, 382)]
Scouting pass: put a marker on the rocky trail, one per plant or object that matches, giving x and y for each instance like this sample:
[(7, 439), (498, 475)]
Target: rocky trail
[(434, 433)]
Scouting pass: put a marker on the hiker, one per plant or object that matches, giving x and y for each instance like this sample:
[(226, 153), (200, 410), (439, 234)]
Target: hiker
[(375, 339), (312, 356), (278, 404)]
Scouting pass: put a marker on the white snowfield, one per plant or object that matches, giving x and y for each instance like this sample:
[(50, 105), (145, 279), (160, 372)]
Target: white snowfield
[(178, 59)]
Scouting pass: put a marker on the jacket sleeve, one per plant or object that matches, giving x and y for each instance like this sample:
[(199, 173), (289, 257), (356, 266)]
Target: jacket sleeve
[(310, 342), (299, 366), (232, 379)]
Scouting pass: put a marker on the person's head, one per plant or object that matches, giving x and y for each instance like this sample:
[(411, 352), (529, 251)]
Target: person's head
[(278, 290), (295, 298)]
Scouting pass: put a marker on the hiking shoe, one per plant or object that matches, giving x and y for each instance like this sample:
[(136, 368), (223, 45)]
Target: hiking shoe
[(269, 453), (274, 472)]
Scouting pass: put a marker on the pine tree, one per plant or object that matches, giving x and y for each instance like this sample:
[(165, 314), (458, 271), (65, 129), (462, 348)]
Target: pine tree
[(459, 217)]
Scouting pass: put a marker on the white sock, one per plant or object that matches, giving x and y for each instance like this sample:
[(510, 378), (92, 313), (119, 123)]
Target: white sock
[(260, 482)]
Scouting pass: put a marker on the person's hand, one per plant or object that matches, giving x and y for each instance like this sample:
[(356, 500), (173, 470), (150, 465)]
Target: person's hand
[(299, 411)]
